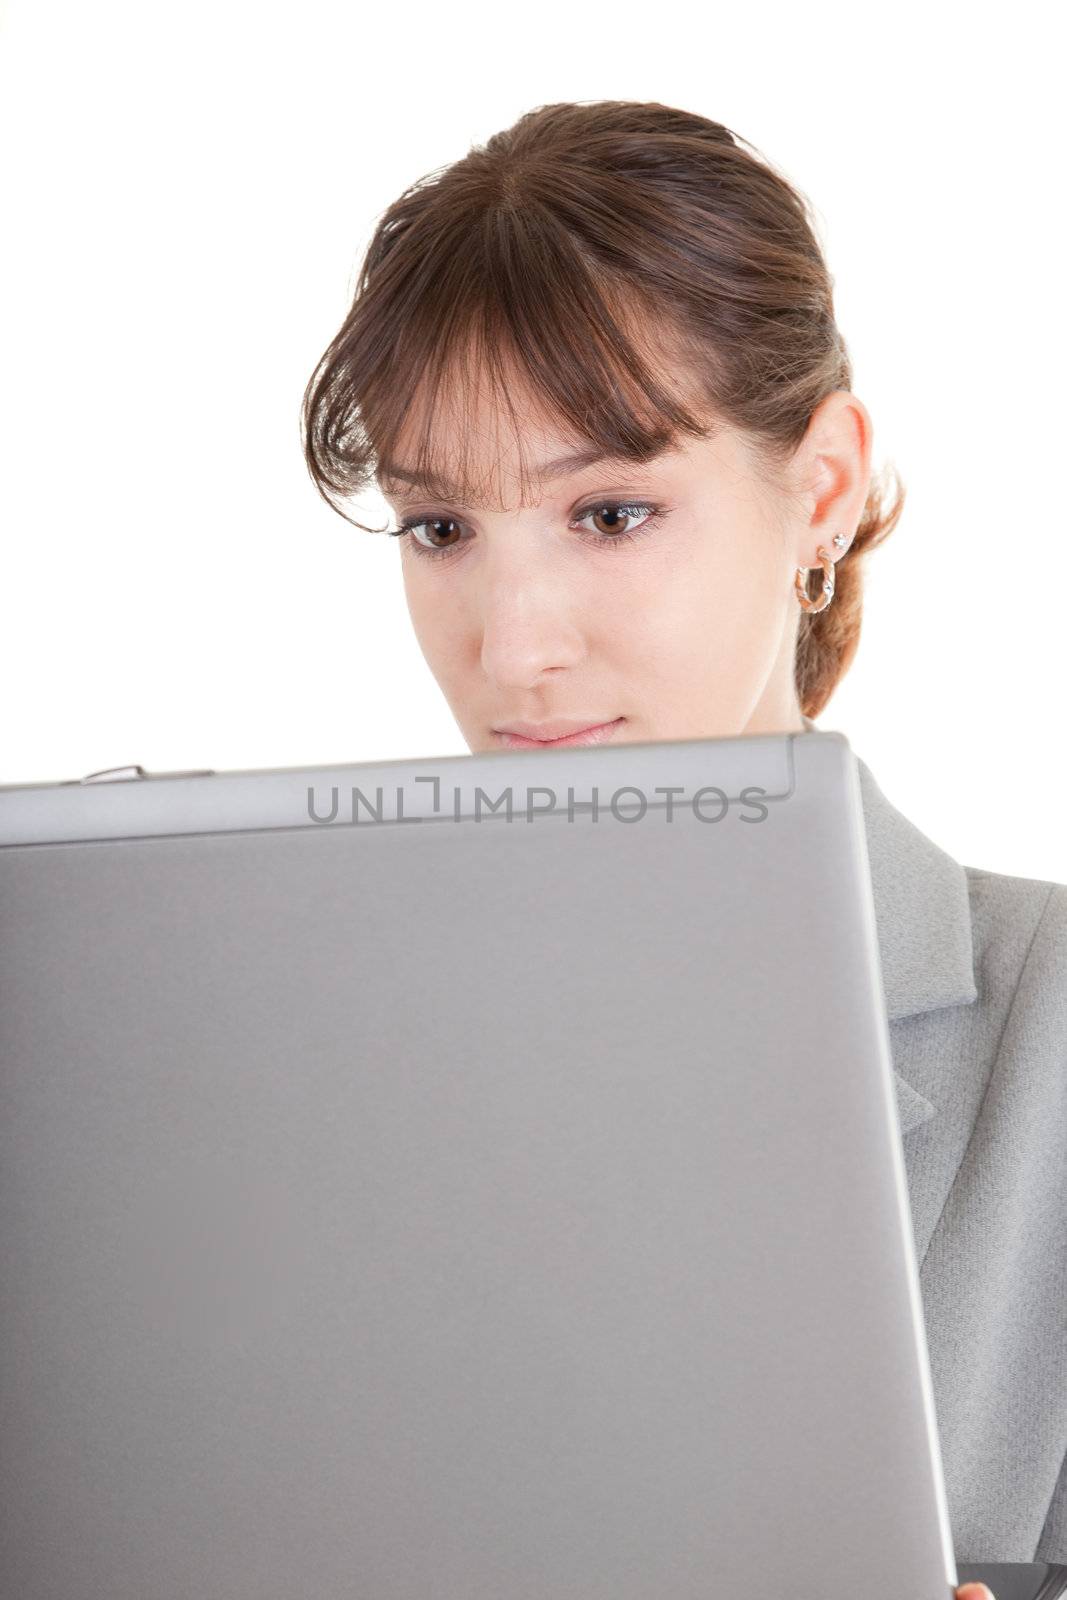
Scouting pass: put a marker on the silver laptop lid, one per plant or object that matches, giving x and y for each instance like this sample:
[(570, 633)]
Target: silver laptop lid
[(461, 1206)]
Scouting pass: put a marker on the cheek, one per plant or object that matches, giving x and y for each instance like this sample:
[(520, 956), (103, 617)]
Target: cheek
[(439, 629), (715, 613)]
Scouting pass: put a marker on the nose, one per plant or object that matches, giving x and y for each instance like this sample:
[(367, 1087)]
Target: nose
[(531, 616)]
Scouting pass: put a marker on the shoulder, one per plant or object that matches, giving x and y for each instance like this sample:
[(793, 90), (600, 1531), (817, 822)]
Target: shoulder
[(1019, 934), (1007, 906)]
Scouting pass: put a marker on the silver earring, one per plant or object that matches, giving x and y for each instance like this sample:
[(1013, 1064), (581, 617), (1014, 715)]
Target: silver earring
[(801, 581)]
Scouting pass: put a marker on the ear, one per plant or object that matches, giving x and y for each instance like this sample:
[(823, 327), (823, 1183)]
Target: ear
[(830, 477)]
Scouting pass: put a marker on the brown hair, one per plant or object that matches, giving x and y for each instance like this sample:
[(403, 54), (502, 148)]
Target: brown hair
[(579, 249)]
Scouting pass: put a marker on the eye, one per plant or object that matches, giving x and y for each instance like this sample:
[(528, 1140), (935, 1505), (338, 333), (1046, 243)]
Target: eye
[(609, 515), (613, 513), (412, 524)]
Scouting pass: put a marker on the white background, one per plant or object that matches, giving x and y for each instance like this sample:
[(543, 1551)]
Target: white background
[(186, 193)]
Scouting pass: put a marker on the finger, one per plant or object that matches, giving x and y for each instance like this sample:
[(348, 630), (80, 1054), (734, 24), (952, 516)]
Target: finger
[(974, 1591)]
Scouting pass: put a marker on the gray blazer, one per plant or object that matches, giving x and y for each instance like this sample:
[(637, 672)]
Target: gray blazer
[(974, 968)]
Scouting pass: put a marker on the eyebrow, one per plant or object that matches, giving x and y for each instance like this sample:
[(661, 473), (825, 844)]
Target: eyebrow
[(574, 462)]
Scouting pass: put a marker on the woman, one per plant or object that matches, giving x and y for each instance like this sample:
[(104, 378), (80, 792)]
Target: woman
[(594, 368)]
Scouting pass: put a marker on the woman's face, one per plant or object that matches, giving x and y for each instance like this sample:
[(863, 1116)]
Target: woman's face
[(544, 617)]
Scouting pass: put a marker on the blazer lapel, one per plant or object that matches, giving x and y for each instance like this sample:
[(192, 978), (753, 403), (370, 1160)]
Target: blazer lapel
[(923, 918)]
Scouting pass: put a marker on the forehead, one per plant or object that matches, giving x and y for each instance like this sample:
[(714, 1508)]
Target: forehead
[(537, 479), (475, 452)]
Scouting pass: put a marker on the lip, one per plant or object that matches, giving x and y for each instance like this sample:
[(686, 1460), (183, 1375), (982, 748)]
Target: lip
[(596, 733)]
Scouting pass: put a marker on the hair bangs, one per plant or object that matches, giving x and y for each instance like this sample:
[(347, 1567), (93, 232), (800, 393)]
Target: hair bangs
[(504, 345)]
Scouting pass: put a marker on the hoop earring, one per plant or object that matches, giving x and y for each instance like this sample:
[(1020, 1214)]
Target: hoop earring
[(801, 581)]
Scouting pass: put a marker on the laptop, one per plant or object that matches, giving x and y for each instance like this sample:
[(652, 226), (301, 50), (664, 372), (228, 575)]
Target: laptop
[(455, 1179)]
